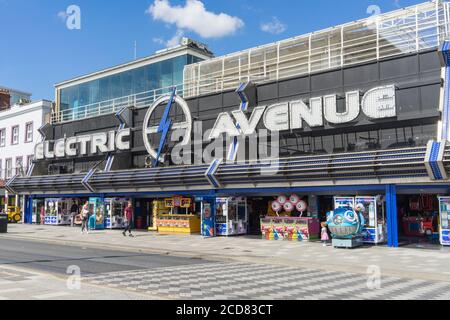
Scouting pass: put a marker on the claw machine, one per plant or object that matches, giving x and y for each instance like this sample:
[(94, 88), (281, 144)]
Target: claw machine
[(374, 231), (444, 218), (114, 210), (231, 216), (57, 212)]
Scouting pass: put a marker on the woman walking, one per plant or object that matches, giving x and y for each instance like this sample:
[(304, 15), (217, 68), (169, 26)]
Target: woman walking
[(85, 218)]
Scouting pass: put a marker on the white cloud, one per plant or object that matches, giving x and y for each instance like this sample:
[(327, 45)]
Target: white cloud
[(193, 16), (274, 27), (172, 42)]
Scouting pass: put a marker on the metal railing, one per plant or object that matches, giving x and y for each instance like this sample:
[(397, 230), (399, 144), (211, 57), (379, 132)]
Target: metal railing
[(412, 29)]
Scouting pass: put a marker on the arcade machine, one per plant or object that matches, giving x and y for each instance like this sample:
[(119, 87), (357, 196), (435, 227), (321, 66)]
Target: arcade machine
[(231, 216), (57, 212), (115, 209), (374, 228), (444, 214), (97, 211), (374, 231), (346, 227)]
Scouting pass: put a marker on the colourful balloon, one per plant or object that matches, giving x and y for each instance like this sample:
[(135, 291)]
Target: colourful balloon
[(276, 206), (282, 200), (294, 199), (301, 206), (288, 207)]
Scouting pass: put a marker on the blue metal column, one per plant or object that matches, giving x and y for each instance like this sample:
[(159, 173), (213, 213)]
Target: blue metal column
[(28, 219), (391, 215)]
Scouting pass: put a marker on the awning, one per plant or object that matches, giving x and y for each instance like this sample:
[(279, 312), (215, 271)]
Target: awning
[(371, 167)]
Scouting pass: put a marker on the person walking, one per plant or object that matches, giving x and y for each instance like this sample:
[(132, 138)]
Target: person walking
[(73, 212), (85, 218), (128, 217)]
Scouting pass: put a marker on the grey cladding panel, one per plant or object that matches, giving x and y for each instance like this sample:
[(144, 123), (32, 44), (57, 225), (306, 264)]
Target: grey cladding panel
[(267, 92), (399, 67), (294, 87), (210, 102), (230, 99), (361, 74), (327, 80), (408, 101), (429, 62)]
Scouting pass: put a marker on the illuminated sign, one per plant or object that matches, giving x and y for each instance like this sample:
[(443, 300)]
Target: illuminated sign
[(166, 125), (378, 103), (91, 144)]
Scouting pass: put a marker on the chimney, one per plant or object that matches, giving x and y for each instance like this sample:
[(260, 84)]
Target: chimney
[(5, 99)]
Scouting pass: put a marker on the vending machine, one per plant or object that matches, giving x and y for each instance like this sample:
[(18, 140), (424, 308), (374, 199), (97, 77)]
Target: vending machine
[(208, 218), (444, 217)]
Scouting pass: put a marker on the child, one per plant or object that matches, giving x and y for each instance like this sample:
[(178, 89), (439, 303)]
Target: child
[(324, 234)]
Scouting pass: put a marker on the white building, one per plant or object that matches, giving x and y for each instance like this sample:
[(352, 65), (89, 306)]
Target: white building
[(19, 134)]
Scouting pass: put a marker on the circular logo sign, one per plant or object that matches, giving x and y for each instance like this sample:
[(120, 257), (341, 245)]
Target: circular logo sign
[(148, 129)]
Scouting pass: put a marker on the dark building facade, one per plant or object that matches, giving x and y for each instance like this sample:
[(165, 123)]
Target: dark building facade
[(392, 147)]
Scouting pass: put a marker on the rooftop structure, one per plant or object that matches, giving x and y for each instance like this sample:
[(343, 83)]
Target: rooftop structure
[(136, 83), (407, 30)]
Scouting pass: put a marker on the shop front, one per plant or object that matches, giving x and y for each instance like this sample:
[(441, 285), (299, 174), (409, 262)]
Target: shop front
[(361, 144)]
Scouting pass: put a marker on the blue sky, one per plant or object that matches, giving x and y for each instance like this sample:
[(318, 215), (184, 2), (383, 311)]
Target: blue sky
[(37, 49)]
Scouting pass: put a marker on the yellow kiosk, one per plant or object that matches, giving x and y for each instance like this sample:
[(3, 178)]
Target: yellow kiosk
[(176, 222)]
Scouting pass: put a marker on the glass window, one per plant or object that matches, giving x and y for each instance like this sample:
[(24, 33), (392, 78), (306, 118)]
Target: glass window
[(29, 162), (166, 74), (19, 164), (15, 135), (29, 132), (8, 168), (156, 76), (2, 137)]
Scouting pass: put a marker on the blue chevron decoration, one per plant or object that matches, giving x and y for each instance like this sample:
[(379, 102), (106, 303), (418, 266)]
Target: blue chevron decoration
[(211, 172), (244, 90), (434, 160), (124, 119), (445, 103)]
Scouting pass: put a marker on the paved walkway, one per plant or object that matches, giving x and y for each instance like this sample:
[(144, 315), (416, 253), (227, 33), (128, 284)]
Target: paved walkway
[(23, 284), (399, 262), (244, 281)]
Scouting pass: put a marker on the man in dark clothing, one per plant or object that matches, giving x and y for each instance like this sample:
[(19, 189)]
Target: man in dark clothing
[(128, 215)]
